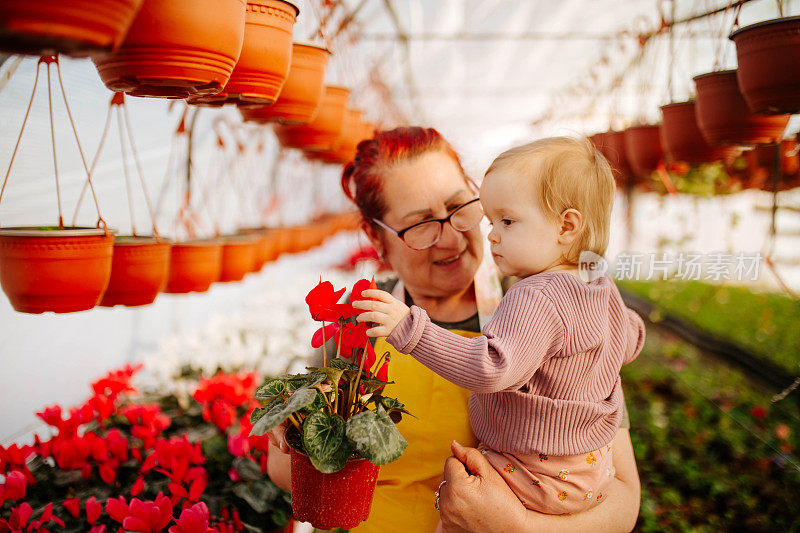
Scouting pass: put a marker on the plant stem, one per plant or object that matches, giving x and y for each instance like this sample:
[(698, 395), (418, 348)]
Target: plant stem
[(339, 345), (296, 423), (324, 348), (354, 393)]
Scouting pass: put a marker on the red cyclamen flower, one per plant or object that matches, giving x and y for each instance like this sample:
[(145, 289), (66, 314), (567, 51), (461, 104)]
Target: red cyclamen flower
[(193, 520), (148, 516)]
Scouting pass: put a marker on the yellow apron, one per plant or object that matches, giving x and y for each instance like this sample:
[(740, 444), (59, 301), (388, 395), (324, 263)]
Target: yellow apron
[(404, 496)]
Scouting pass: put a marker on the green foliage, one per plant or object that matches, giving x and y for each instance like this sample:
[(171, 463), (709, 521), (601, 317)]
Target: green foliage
[(339, 411), (765, 323), (376, 437), (713, 452)]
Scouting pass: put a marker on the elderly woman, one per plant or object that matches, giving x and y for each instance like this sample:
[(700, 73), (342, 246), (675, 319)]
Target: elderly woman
[(421, 213)]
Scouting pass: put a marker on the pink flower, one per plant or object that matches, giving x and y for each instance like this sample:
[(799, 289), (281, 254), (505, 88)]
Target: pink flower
[(192, 520), (782, 431)]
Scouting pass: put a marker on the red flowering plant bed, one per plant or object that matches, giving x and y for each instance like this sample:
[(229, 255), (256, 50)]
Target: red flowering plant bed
[(336, 416), (122, 461)]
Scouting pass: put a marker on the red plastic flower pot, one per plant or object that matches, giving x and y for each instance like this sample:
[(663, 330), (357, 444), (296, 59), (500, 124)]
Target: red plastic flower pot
[(612, 145), (768, 54), (58, 270), (238, 257), (138, 272), (193, 266), (176, 49), (342, 499), (301, 95), (724, 118), (72, 27), (266, 55), (643, 148), (682, 139), (322, 133)]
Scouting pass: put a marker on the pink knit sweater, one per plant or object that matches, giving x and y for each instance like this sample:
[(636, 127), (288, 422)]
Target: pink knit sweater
[(545, 372)]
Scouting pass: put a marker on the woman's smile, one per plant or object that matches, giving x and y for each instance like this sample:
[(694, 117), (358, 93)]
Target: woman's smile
[(450, 261)]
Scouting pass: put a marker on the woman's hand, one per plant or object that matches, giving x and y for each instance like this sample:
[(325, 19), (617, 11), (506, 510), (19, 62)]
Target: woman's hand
[(475, 497), (383, 309)]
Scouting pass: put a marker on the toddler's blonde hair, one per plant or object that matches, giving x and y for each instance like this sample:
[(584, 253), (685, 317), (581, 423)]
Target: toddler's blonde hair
[(569, 173)]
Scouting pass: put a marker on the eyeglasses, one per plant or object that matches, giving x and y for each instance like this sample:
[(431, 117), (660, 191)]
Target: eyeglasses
[(428, 232)]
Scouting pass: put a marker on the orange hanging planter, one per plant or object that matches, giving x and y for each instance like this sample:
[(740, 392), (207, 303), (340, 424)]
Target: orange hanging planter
[(177, 48), (194, 266), (301, 95), (266, 55), (322, 133), (139, 271), (238, 257), (724, 118), (73, 27), (50, 269), (341, 499), (59, 269)]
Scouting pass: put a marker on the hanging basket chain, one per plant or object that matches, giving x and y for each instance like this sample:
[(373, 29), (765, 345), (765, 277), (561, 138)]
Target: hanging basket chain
[(47, 61), (80, 150), (94, 163), (138, 164), (21, 130), (125, 170)]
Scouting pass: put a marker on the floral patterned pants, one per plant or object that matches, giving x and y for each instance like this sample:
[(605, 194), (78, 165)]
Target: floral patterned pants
[(556, 484)]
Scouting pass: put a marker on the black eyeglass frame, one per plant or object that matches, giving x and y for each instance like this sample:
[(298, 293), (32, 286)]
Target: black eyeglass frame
[(441, 222)]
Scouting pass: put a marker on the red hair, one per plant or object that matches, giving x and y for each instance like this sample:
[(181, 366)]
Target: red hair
[(362, 179)]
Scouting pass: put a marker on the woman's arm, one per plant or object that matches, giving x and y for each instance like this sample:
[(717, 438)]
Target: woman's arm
[(279, 467), (477, 499)]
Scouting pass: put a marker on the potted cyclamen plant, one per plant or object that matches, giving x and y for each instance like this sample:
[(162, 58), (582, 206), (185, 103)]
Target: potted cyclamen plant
[(340, 425)]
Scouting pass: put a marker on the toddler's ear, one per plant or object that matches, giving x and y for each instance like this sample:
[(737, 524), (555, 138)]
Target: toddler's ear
[(571, 226)]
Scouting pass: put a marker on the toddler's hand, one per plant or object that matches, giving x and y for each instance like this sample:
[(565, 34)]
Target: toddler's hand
[(383, 309)]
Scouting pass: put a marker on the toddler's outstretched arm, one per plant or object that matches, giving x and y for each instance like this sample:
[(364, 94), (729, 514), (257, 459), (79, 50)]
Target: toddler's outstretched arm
[(525, 331)]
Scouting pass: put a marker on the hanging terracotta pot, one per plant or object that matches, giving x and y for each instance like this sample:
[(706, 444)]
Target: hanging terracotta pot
[(612, 145), (72, 27), (682, 139), (139, 271), (764, 157), (724, 118), (266, 54), (643, 149), (322, 133), (264, 250), (177, 48), (194, 266), (58, 270), (301, 95), (238, 257), (768, 54), (342, 499)]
